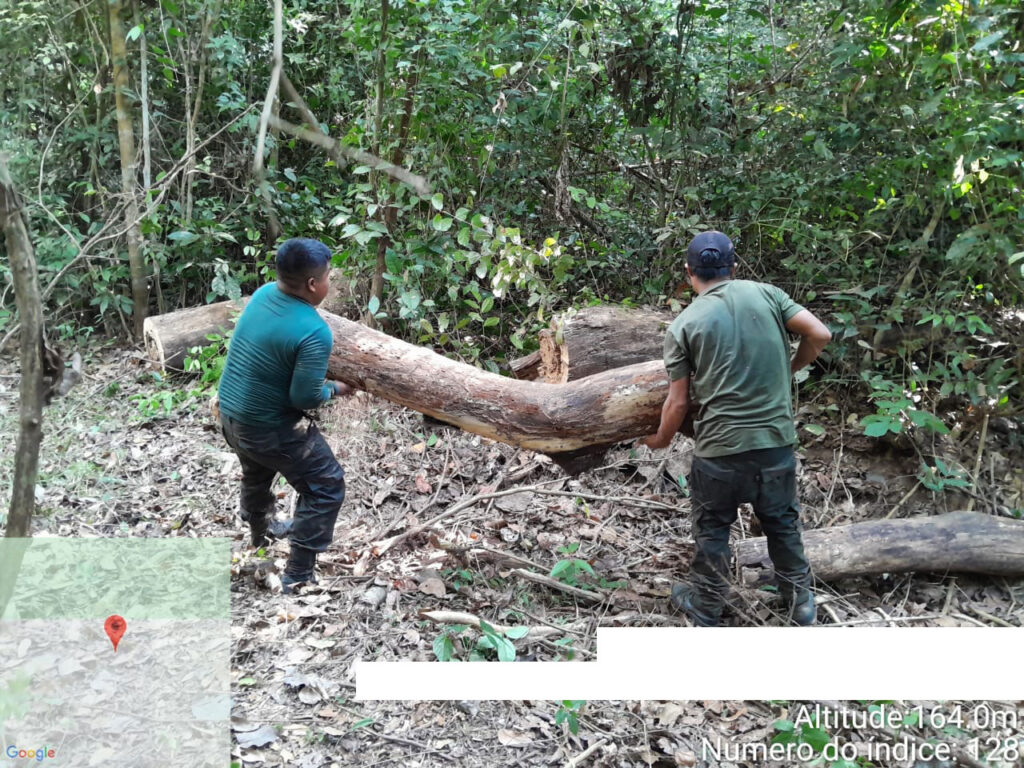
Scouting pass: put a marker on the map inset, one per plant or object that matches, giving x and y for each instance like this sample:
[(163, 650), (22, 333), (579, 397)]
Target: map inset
[(162, 698)]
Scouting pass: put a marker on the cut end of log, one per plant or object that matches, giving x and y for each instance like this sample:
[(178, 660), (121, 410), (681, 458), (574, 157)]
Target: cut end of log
[(154, 347)]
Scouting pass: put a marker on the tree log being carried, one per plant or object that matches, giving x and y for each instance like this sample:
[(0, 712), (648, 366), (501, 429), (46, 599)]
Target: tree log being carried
[(573, 423)]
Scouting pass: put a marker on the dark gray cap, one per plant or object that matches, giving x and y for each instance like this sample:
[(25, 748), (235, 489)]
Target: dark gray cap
[(711, 249)]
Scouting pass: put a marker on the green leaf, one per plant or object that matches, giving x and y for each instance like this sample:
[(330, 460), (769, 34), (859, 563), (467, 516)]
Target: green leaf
[(443, 647), (516, 633), (506, 651), (988, 41), (289, 173), (499, 70), (135, 32), (437, 200), (559, 568), (247, 681), (815, 429), (181, 237), (373, 305), (816, 737), (362, 723), (441, 223)]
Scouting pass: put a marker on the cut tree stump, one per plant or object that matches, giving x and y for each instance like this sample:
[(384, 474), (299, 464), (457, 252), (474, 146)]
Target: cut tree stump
[(957, 542), (583, 342), (170, 336)]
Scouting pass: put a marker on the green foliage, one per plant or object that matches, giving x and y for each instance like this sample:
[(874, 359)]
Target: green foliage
[(571, 154), (488, 645), (941, 476), (160, 404), (787, 733), (208, 361), (896, 412), (569, 713), (569, 570)]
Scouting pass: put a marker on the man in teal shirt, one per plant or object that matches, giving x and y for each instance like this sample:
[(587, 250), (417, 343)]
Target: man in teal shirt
[(275, 371), (729, 352)]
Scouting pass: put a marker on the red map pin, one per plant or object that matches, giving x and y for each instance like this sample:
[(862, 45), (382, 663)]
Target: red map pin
[(115, 627)]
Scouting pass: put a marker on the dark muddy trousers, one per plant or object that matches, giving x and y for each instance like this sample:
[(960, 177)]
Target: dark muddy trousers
[(298, 452), (766, 479)]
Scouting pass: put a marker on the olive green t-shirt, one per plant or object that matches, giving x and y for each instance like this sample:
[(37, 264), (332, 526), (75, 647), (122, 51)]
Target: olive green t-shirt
[(732, 339)]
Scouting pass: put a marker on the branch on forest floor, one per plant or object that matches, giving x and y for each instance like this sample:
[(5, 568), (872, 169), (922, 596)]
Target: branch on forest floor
[(471, 620)]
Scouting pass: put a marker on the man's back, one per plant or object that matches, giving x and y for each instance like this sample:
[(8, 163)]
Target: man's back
[(733, 340), (277, 360)]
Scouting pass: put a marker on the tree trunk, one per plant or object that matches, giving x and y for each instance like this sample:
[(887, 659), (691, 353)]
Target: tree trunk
[(595, 339), (32, 394), (572, 422), (266, 117), (126, 142), (169, 337), (957, 542), (384, 211)]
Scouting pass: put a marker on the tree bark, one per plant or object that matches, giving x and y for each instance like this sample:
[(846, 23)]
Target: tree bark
[(957, 542), (32, 394), (595, 339), (169, 337), (126, 143), (526, 368), (580, 417), (266, 118)]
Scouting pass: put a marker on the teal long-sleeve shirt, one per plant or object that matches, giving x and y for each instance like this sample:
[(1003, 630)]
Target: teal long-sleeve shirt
[(277, 360)]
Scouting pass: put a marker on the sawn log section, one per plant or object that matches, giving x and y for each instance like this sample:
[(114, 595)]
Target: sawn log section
[(579, 416), (956, 542)]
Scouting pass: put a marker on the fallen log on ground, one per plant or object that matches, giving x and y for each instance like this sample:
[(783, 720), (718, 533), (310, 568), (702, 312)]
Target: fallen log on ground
[(170, 336), (956, 542), (591, 340)]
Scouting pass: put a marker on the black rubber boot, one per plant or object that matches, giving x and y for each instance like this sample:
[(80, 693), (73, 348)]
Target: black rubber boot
[(685, 598), (798, 599), (264, 529), (299, 570)]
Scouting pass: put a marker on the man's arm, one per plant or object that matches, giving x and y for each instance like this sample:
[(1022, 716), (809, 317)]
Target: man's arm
[(308, 388), (672, 413), (814, 335)]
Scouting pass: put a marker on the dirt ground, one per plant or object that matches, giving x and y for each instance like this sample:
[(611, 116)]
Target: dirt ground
[(121, 457)]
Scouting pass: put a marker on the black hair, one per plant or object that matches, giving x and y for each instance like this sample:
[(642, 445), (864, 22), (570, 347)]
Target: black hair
[(711, 255), (301, 258)]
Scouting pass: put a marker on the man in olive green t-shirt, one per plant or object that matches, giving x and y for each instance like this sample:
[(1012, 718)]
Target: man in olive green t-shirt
[(729, 352)]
